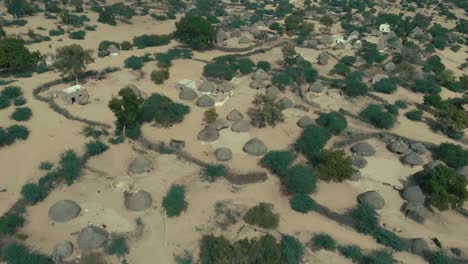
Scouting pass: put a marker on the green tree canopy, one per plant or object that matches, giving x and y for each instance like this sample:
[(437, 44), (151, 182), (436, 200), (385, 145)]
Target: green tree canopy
[(126, 108), (19, 8), (266, 111), (333, 121), (15, 57), (195, 32), (162, 110), (334, 166), (312, 140), (72, 60)]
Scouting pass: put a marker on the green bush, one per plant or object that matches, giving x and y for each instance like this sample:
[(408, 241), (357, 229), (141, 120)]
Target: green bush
[(10, 222), (352, 252), (334, 166), (133, 132), (16, 253), (379, 257), (213, 172), (277, 161), (21, 114), (426, 86), (282, 80), (444, 187), (94, 148), (104, 45), (374, 115), (354, 86), (134, 63), (299, 180), (174, 202), (245, 65), (323, 241), (69, 167), (196, 32), (118, 246), (454, 156), (262, 215), (218, 70), (4, 102), (12, 92), (312, 140), (46, 165), (292, 250), (126, 45), (56, 32), (81, 34), (438, 257), (401, 104), (94, 132), (388, 239), (333, 121), (414, 115), (264, 65), (386, 85), (33, 193), (145, 41), (302, 203), (163, 110), (159, 76), (364, 218), (13, 133), (341, 69)]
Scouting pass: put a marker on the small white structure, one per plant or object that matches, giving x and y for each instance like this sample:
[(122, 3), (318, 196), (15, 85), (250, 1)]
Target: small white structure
[(339, 39), (384, 28), (75, 94), (186, 83), (49, 59), (113, 50)]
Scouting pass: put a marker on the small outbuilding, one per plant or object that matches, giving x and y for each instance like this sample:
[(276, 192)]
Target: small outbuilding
[(385, 28), (113, 50), (75, 94), (185, 83)]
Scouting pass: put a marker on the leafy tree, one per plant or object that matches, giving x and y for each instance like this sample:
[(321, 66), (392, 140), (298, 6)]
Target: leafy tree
[(15, 57), (145, 41), (327, 21), (374, 114), (386, 85), (312, 140), (333, 121), (292, 250), (415, 115), (451, 118), (370, 53), (10, 222), (341, 69), (213, 172), (290, 55), (245, 65), (364, 218), (426, 86), (19, 8), (262, 215), (282, 80), (72, 60), (453, 155), (444, 187), (159, 76), (195, 32), (210, 115), (126, 109), (106, 16), (11, 134), (80, 34), (264, 65), (126, 45), (334, 165), (118, 246), (323, 241), (293, 23), (162, 110), (352, 252), (21, 114), (302, 203), (96, 147), (134, 62), (46, 165), (299, 180), (434, 65), (266, 111), (174, 202), (379, 257), (354, 86), (34, 193), (15, 253), (277, 161), (438, 257), (70, 166)]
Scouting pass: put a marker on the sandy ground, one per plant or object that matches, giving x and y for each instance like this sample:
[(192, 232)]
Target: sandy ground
[(102, 204)]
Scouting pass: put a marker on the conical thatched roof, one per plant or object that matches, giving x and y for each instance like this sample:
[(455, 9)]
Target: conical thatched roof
[(285, 103), (64, 210), (398, 146), (412, 159), (63, 249), (326, 40), (372, 199), (223, 154), (305, 121), (257, 84), (138, 201), (225, 87), (234, 115), (140, 165), (317, 87), (92, 237), (219, 124), (433, 164), (240, 126), (208, 134), (364, 149), (273, 91), (187, 94), (113, 49), (323, 58), (255, 147), (260, 74), (339, 46), (244, 40), (207, 87), (205, 101)]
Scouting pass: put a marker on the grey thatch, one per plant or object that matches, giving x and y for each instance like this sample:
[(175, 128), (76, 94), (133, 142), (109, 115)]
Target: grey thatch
[(379, 77), (358, 161), (273, 91), (219, 124), (419, 148), (311, 43), (418, 246), (208, 134), (112, 49), (372, 199), (223, 154), (339, 46), (92, 237), (356, 176), (413, 194), (240, 126), (255, 147), (412, 159), (235, 33), (285, 103), (364, 149), (225, 87), (317, 87), (137, 201), (326, 40), (220, 36), (416, 211), (234, 115), (433, 164), (187, 94), (135, 90), (257, 84), (207, 87), (354, 35), (140, 165), (244, 40), (205, 101), (64, 210), (323, 58), (260, 74), (63, 249), (389, 67), (305, 121), (398, 146)]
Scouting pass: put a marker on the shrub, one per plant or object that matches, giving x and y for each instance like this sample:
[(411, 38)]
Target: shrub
[(282, 80), (312, 140), (21, 114), (33, 193), (134, 63), (70, 166), (10, 222), (133, 132), (210, 115), (12, 92), (277, 161), (323, 241), (438, 257), (78, 35), (174, 202), (341, 69), (118, 246), (262, 215), (11, 134), (426, 86), (414, 115), (56, 32), (392, 109), (374, 114), (334, 166), (245, 65), (388, 238), (126, 45), (379, 257), (159, 76), (364, 218), (302, 203), (16, 253), (162, 110), (386, 85), (444, 187), (352, 252), (299, 179), (213, 172), (4, 102), (196, 32), (46, 165), (218, 70), (266, 111), (354, 86), (264, 65), (453, 155), (94, 148), (94, 133), (401, 104), (292, 250), (145, 41), (333, 121)]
